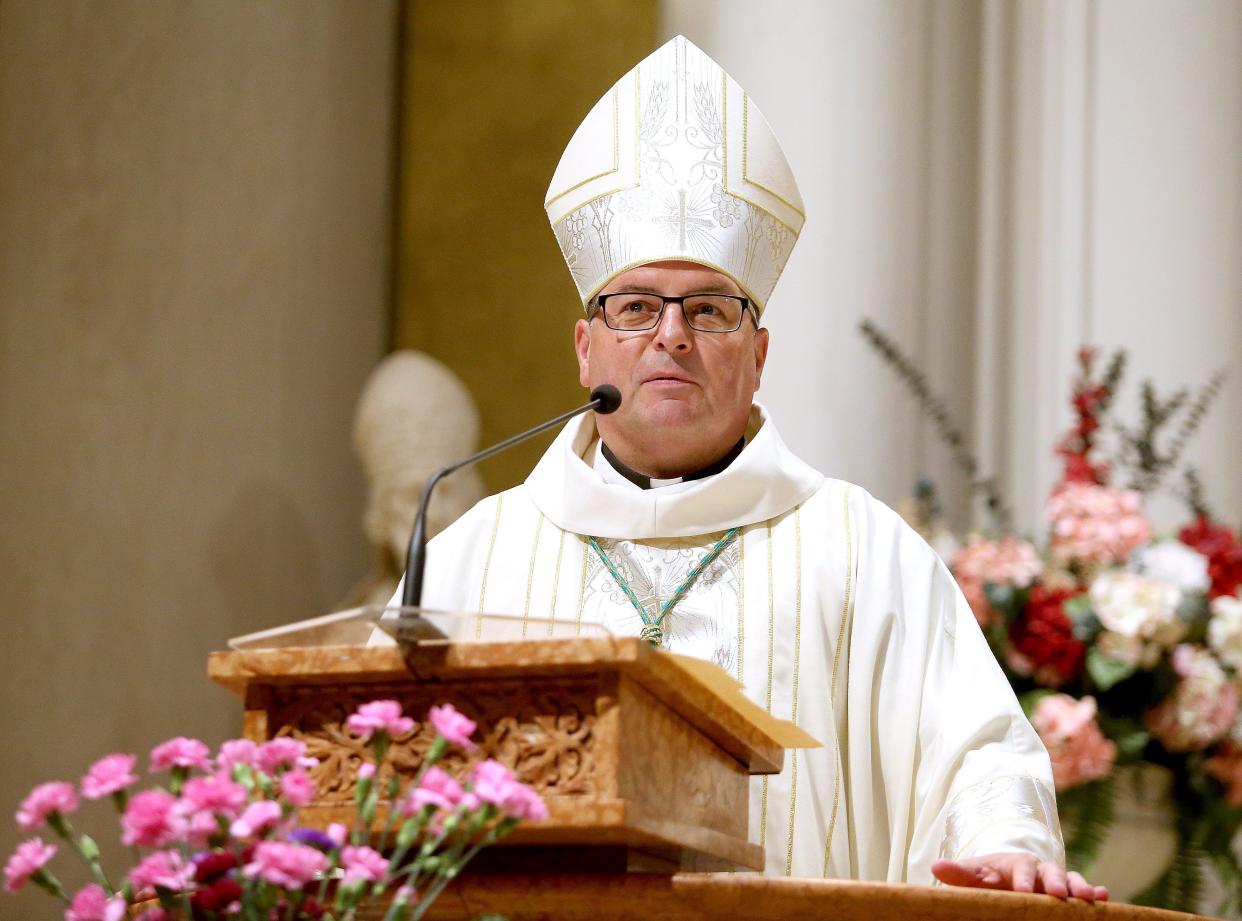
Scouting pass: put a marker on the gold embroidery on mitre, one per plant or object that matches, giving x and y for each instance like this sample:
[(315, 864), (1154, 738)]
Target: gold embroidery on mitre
[(684, 200)]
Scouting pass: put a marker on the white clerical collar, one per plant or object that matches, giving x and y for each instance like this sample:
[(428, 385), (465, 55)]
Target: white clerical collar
[(576, 494)]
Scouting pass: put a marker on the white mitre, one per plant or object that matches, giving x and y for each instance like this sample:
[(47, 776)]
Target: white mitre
[(675, 162)]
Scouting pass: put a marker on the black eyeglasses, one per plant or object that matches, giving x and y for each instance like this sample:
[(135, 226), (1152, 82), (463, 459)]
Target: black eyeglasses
[(705, 313)]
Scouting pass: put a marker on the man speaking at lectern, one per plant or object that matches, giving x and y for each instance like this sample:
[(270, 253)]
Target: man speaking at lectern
[(682, 517)]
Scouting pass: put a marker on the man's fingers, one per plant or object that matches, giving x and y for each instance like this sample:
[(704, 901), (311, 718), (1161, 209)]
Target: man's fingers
[(1052, 880), (1024, 876), (976, 876), (1079, 888), (1101, 893)]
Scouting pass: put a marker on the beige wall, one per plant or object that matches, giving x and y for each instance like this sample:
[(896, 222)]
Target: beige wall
[(493, 91), (194, 262)]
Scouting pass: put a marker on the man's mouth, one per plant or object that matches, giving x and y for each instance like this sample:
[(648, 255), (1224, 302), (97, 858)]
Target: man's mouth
[(667, 379)]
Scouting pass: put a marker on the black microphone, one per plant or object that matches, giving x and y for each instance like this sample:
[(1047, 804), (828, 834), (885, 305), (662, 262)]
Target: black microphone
[(604, 399)]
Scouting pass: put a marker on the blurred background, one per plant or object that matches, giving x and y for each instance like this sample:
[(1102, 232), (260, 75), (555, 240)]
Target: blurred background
[(218, 216)]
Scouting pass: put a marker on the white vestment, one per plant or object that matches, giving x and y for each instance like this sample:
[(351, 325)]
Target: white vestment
[(829, 609)]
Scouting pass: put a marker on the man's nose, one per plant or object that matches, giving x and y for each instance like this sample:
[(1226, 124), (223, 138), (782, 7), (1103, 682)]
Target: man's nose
[(673, 333)]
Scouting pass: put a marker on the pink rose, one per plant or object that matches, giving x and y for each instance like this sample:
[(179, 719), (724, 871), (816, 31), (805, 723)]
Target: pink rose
[(1078, 750), (494, 783), (366, 770), (362, 864), (290, 866), (297, 788), (238, 751), (161, 870), (151, 820), (91, 903), (181, 752), (1095, 525), (213, 794), (110, 774), (55, 798), (451, 724), (1009, 561), (257, 818), (1201, 708), (29, 859), (437, 789), (379, 716), (282, 752)]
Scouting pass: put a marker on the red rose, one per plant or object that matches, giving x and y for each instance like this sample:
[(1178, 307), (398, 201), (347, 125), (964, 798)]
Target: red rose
[(1223, 551), (1044, 635)]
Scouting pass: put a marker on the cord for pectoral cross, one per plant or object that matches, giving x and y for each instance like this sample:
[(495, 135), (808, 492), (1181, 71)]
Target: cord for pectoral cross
[(653, 624)]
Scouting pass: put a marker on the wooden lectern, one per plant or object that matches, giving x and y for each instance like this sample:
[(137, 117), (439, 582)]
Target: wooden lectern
[(643, 764)]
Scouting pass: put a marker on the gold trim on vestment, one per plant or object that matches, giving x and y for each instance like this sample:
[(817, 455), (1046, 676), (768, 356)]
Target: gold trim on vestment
[(586, 549), (556, 582), (763, 803), (530, 574), (745, 173), (797, 663), (741, 606), (836, 661), (616, 153), (724, 158), (487, 565)]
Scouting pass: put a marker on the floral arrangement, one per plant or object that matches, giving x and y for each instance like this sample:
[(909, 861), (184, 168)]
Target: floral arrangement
[(1123, 646), (223, 840)]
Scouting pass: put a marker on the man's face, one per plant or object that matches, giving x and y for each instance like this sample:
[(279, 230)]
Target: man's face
[(686, 395)]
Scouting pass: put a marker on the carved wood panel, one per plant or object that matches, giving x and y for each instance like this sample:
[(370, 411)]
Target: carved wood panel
[(545, 731)]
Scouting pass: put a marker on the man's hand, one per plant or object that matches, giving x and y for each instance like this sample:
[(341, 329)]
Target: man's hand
[(1019, 873)]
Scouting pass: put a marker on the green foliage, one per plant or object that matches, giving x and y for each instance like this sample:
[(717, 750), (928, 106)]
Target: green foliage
[(1106, 672), (1180, 886), (1194, 612), (1031, 698), (1088, 812), (1127, 734)]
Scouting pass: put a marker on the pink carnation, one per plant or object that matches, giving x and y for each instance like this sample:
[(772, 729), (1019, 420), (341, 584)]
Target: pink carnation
[(1201, 708), (337, 833), (238, 751), (110, 774), (451, 724), (162, 870), (214, 794), (379, 716), (494, 783), (151, 820), (44, 800), (91, 903), (437, 789), (1009, 561), (290, 866), (1095, 525), (29, 858), (257, 818), (181, 752), (297, 788), (281, 752), (1079, 751), (362, 864)]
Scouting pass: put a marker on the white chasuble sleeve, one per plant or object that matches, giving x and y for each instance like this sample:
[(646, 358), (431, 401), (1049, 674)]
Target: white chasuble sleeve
[(961, 772)]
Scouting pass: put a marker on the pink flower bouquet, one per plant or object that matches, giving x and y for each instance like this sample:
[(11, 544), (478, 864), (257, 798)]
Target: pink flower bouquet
[(223, 839)]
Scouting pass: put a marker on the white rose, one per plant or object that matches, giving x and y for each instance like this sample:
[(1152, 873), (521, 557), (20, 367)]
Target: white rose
[(1136, 606), (1224, 631), (1173, 562)]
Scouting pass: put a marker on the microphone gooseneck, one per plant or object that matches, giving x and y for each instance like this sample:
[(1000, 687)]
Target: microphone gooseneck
[(605, 399)]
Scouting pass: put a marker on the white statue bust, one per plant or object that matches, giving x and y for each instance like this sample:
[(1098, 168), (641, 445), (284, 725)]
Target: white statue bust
[(414, 416)]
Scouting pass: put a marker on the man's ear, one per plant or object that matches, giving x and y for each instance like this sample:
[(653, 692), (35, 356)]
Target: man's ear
[(582, 349), (761, 353)]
